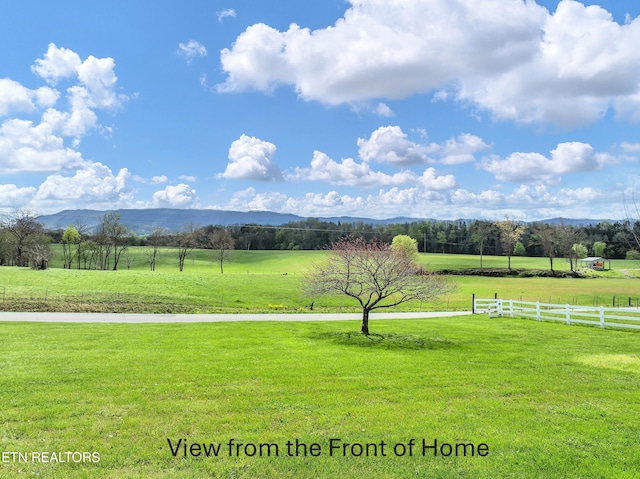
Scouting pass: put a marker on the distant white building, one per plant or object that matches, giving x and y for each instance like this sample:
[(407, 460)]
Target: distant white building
[(595, 262)]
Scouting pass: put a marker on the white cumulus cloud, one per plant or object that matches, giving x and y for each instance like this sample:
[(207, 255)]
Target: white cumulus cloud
[(391, 145), (512, 58), (250, 159), (256, 61), (349, 172), (16, 98), (524, 201), (94, 87), (430, 180), (178, 196), (461, 149), (98, 80), (25, 147), (12, 196), (571, 157), (57, 63), (94, 185), (385, 48)]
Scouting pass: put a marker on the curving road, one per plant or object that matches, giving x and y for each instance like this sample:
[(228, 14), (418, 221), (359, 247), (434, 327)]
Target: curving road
[(209, 318)]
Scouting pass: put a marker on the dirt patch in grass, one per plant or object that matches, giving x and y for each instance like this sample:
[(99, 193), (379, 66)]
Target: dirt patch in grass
[(385, 340)]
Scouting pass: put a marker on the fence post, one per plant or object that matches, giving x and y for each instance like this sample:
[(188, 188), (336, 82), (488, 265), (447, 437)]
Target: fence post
[(511, 308), (567, 313), (473, 303), (538, 311), (499, 301), (602, 317)]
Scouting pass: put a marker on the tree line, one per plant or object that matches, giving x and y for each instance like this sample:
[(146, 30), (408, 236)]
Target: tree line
[(454, 237), (25, 242), (612, 240)]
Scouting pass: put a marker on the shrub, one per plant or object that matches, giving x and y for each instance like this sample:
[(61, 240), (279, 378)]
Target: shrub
[(519, 249), (633, 254)]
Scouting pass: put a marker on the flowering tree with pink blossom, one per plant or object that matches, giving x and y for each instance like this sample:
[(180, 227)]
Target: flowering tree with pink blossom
[(374, 274)]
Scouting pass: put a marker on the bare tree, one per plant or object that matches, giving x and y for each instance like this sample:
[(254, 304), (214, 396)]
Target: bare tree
[(82, 228), (38, 251), (116, 235), (155, 239), (481, 231), (373, 274), (128, 260), (103, 249), (89, 254), (569, 236), (185, 241), (22, 229), (221, 242), (548, 236), (510, 233), (5, 247)]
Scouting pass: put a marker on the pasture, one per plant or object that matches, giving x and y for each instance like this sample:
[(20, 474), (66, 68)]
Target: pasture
[(547, 400), (270, 281)]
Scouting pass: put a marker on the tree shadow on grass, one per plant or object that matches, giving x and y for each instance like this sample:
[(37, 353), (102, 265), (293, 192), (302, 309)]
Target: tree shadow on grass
[(385, 340)]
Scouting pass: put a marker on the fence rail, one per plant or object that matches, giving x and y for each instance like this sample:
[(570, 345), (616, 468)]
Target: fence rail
[(570, 314)]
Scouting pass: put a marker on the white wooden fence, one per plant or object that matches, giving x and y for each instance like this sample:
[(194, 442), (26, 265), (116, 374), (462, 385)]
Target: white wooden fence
[(597, 316)]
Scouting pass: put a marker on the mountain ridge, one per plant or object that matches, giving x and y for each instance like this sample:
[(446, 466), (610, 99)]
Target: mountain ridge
[(144, 221)]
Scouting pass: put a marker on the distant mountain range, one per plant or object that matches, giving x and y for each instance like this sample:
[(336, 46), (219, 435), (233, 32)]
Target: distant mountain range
[(144, 221)]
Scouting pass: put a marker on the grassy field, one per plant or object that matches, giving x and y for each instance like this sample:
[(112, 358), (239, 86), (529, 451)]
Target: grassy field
[(278, 262), (549, 401), (268, 281)]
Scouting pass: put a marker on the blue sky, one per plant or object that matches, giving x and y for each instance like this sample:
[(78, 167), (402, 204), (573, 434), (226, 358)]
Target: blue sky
[(378, 108)]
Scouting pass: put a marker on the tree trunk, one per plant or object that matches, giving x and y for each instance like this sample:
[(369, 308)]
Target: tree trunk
[(551, 263), (365, 321)]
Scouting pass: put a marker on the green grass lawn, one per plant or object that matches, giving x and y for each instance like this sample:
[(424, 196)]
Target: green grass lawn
[(550, 401)]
